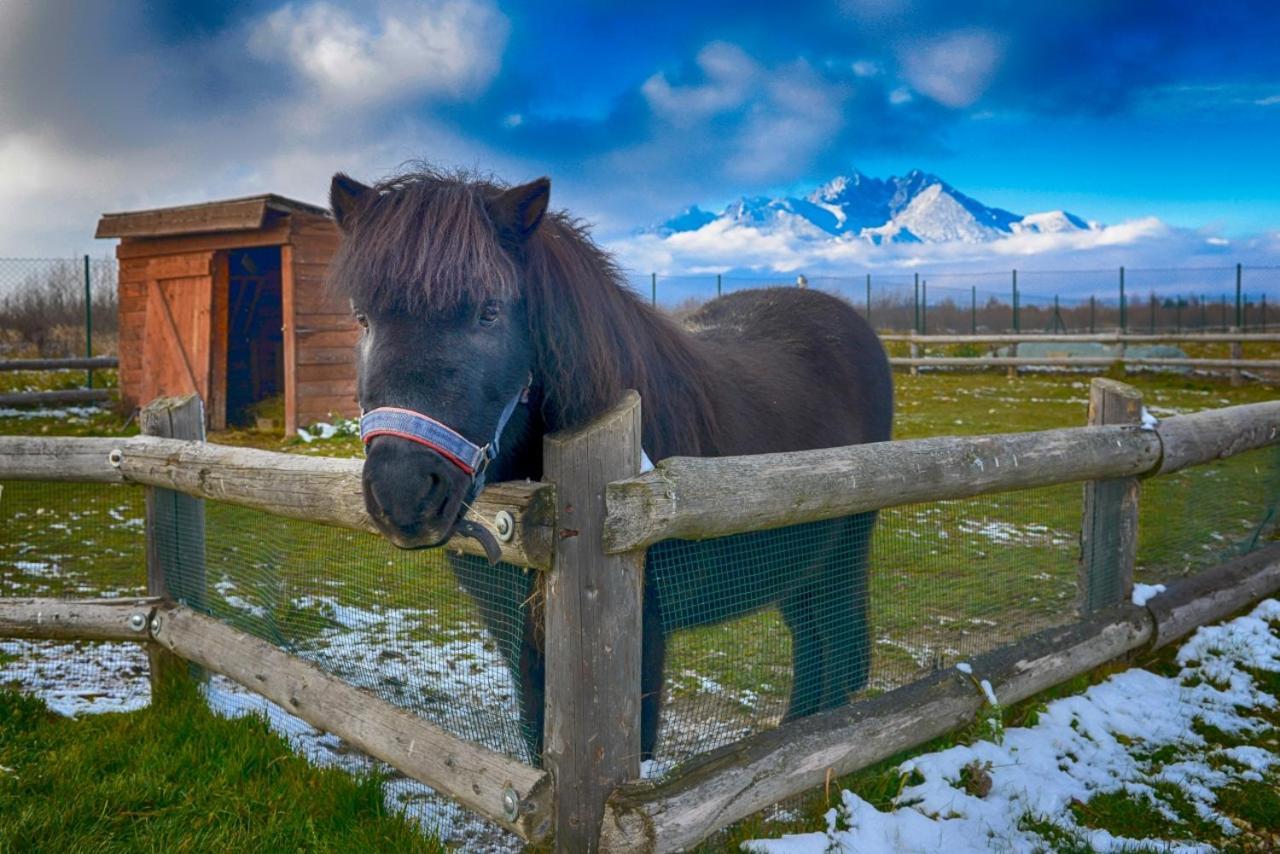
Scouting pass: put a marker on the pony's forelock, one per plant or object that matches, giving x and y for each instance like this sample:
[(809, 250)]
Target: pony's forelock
[(423, 241)]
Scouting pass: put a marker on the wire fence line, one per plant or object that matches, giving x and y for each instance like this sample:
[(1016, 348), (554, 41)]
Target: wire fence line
[(55, 307), (1128, 299)]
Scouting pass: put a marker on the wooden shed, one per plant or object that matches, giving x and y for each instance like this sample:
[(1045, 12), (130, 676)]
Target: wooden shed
[(227, 299)]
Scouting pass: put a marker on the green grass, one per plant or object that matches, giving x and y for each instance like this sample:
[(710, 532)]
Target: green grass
[(950, 579), (175, 777)]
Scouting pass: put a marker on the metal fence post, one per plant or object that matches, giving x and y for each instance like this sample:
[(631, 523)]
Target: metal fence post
[(924, 308), (1093, 313), (1124, 324), (915, 318), (88, 322), (719, 291), (868, 299), (1015, 300), (593, 625), (973, 309), (1109, 530), (175, 542), (653, 284), (1239, 312)]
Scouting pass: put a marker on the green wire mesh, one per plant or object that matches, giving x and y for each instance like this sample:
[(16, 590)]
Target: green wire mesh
[(1207, 514), (944, 581), (73, 540)]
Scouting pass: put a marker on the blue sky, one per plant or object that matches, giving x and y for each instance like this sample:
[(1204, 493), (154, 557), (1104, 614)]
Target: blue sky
[(1113, 110)]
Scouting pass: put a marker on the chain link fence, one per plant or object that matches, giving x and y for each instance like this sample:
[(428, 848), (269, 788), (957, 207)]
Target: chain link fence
[(57, 307)]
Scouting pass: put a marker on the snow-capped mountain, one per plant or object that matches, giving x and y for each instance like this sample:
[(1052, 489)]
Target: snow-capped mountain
[(916, 208)]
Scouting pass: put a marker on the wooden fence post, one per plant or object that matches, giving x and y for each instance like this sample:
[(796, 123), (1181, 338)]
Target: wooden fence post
[(175, 528), (593, 627), (1109, 531)]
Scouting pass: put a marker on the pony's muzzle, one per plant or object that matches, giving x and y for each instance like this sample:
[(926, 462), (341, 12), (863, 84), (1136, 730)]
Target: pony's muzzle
[(413, 494)]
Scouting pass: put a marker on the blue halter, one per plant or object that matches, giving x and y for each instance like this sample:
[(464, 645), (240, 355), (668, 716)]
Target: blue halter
[(471, 458)]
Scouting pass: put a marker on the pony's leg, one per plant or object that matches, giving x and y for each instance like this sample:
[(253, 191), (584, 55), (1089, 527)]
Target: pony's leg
[(843, 619), (503, 594), (532, 675), (653, 655), (806, 652)]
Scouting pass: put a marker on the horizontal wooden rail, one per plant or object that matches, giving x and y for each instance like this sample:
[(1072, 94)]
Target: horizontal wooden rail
[(77, 619), (701, 497), (501, 789), (1082, 362), (58, 396), (314, 489), (1086, 338), (741, 779), (92, 363)]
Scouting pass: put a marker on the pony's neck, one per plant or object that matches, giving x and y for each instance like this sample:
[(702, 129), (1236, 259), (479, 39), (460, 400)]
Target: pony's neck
[(594, 338)]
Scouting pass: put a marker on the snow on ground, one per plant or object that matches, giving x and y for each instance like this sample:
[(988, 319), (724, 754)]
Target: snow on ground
[(1085, 745), (78, 678), (61, 413)]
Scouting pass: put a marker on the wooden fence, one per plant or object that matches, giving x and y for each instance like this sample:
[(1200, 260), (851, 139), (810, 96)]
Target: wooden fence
[(1236, 364), (588, 528), (58, 396)]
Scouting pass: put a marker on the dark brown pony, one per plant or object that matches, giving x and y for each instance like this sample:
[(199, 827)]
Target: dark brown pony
[(473, 294)]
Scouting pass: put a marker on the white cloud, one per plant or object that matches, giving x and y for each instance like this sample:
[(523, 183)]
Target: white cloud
[(439, 48), (865, 68), (721, 246), (730, 78), (953, 69), (777, 119)]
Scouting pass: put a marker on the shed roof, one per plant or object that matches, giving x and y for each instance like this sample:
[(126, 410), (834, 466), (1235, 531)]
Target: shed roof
[(245, 214)]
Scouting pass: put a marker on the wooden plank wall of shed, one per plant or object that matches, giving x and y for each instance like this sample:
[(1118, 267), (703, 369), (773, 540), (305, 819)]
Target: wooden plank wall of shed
[(136, 257), (321, 328)]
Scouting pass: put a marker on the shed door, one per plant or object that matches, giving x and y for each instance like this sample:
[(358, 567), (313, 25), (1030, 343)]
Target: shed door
[(176, 352)]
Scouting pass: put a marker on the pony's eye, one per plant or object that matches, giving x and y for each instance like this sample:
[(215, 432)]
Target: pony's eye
[(489, 312), (362, 319)]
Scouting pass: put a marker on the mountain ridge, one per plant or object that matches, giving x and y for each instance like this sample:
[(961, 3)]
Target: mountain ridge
[(917, 207)]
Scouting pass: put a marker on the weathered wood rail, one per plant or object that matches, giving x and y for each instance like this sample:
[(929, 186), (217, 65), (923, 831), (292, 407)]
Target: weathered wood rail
[(316, 489), (60, 396), (1236, 364), (508, 792), (57, 396), (702, 497), (75, 364), (1085, 337), (1083, 362)]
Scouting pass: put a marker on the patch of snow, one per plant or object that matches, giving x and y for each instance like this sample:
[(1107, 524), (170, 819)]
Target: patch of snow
[(965, 668), (1086, 745), (988, 692)]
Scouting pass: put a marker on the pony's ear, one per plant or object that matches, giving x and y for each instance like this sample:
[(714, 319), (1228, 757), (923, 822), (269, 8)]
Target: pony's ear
[(518, 211), (344, 197)]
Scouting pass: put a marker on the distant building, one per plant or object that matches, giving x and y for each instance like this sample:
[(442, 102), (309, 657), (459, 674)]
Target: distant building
[(226, 299)]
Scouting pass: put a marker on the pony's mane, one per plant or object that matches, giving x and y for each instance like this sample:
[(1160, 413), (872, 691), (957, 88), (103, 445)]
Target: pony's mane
[(426, 241), (595, 338), (423, 240)]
